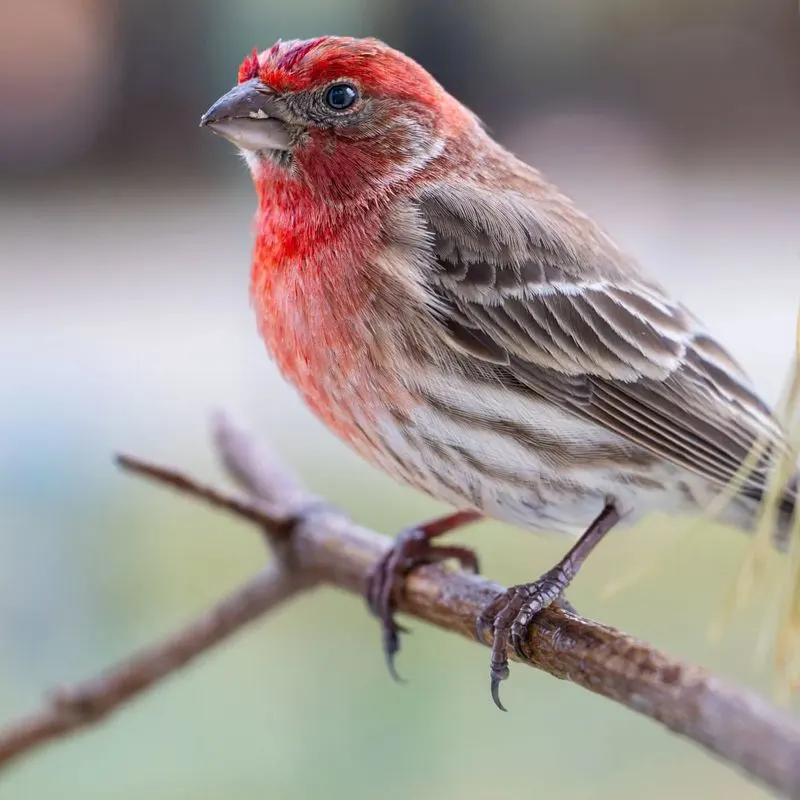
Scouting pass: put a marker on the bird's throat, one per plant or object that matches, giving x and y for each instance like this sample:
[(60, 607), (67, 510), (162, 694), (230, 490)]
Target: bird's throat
[(313, 293)]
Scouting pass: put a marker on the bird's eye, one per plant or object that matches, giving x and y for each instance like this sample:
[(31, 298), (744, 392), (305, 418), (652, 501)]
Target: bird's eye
[(341, 96)]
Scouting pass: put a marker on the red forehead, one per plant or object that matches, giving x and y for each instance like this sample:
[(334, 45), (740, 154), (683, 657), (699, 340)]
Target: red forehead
[(287, 59), (299, 65)]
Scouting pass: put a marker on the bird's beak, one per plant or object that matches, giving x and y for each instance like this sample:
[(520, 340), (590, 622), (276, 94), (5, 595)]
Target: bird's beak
[(249, 116)]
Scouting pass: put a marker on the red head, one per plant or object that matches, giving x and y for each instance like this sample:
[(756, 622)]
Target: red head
[(344, 116), (328, 125)]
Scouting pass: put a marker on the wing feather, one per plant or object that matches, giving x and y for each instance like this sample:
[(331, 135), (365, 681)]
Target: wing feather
[(548, 300)]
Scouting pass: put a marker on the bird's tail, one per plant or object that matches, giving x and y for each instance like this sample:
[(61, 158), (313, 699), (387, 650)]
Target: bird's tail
[(775, 521), (769, 513), (785, 516), (760, 500), (769, 507)]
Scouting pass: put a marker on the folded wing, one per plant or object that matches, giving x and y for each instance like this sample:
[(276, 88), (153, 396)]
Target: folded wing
[(520, 300)]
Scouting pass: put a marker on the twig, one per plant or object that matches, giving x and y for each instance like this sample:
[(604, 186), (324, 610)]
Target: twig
[(731, 722), (70, 709), (273, 508)]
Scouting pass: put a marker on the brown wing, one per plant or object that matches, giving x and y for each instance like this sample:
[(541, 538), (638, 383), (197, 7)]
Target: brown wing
[(579, 325)]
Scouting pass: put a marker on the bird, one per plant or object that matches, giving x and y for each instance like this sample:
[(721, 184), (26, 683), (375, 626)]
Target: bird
[(454, 317)]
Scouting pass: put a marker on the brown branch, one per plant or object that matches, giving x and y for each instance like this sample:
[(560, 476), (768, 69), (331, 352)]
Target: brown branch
[(319, 542), (85, 704), (273, 508)]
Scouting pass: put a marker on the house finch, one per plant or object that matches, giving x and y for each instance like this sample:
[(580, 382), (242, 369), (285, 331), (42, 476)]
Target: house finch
[(460, 323)]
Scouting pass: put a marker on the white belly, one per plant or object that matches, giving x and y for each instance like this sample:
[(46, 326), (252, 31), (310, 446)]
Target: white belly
[(531, 465)]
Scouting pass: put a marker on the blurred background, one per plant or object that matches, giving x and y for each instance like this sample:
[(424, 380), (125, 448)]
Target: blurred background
[(124, 321)]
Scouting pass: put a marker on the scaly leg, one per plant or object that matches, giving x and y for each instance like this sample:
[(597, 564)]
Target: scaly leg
[(511, 612)]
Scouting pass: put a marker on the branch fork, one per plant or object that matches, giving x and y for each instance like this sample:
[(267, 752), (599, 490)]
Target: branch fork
[(313, 544)]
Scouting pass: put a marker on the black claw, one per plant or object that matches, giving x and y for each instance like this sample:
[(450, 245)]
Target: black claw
[(391, 645), (496, 693), (411, 549), (511, 612)]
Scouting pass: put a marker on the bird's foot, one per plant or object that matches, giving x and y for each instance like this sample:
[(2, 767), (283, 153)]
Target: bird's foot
[(509, 616), (510, 613), (412, 548)]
